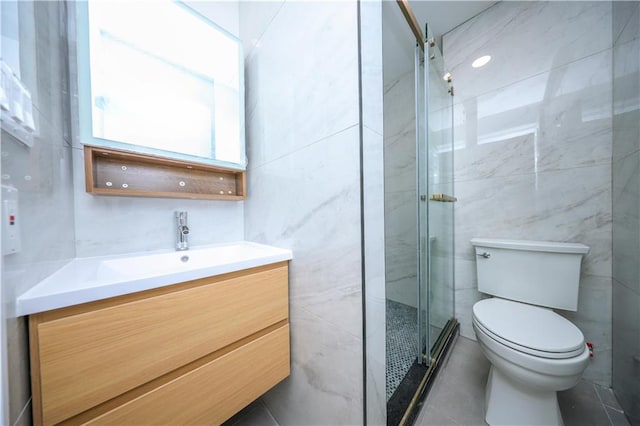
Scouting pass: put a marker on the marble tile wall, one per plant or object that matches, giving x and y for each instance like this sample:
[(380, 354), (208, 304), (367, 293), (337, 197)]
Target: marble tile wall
[(303, 140), (43, 176), (532, 133), (400, 190), (372, 149), (626, 206)]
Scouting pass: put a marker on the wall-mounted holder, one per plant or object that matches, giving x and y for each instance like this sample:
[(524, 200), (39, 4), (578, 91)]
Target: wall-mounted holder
[(115, 172), (16, 107)]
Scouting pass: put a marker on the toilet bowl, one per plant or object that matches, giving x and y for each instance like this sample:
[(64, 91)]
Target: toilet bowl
[(534, 352), (526, 374)]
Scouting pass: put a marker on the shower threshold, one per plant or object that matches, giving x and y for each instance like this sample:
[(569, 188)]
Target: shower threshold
[(406, 401)]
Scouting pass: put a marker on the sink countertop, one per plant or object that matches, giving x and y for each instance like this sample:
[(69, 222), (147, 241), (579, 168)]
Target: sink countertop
[(95, 278)]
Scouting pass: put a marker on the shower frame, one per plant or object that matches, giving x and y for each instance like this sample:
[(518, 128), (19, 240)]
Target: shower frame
[(430, 353)]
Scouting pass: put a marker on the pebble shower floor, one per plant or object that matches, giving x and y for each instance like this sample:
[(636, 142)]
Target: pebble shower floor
[(402, 342)]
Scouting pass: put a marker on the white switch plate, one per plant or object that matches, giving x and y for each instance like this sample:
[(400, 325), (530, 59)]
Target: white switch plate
[(10, 228)]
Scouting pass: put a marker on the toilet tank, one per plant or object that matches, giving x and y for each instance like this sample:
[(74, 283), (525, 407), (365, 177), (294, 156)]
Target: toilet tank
[(536, 272)]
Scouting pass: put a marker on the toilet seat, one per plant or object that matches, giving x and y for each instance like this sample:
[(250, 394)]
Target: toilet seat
[(530, 329)]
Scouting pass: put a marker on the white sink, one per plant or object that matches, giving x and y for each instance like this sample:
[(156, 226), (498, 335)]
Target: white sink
[(151, 265), (95, 278)]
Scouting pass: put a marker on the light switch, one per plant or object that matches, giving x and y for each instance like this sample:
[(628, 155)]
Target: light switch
[(10, 221)]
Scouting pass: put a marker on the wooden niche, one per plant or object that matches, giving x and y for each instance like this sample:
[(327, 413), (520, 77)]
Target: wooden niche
[(115, 172)]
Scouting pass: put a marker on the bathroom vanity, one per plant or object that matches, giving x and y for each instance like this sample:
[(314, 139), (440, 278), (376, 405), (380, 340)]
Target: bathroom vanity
[(189, 352)]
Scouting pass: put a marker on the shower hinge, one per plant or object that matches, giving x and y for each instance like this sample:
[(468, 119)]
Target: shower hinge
[(432, 42), (451, 90)]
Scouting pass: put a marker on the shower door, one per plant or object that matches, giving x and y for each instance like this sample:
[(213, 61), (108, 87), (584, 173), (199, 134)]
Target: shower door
[(441, 195), (434, 131), (418, 220)]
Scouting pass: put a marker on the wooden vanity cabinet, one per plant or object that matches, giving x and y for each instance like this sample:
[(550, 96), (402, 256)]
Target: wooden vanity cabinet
[(189, 353)]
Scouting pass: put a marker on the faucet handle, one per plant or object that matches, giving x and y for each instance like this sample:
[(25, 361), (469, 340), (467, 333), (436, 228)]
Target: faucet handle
[(181, 216), (182, 242)]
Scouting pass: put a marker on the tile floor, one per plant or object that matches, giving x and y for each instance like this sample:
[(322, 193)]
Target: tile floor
[(254, 414), (457, 397)]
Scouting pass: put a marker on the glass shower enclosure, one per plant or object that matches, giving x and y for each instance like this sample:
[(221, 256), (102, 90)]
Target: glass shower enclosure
[(419, 203), (626, 208), (437, 200)]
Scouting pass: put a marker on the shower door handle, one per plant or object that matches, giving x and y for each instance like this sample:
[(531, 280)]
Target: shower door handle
[(444, 198)]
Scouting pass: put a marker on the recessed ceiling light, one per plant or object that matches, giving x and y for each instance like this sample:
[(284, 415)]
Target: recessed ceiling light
[(481, 61)]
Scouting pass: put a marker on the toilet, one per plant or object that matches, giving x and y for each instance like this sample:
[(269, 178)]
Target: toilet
[(534, 352)]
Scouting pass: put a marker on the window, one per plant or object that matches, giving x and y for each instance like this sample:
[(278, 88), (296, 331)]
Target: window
[(157, 78)]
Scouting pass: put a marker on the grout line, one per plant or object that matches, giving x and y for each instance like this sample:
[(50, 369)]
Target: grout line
[(264, 406), (301, 148), (366, 126), (625, 156), (24, 409), (614, 43), (618, 410), (261, 35), (606, 412), (595, 389)]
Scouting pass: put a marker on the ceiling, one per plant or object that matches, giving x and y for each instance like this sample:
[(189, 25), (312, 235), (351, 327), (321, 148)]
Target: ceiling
[(397, 39), (443, 16)]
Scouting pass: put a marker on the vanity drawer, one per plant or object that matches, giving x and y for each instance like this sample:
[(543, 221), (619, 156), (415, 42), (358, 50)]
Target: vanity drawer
[(214, 392), (83, 356)]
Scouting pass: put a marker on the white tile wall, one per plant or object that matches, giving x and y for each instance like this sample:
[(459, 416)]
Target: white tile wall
[(373, 209), (533, 145), (293, 90), (256, 17), (524, 39), (400, 191), (304, 178)]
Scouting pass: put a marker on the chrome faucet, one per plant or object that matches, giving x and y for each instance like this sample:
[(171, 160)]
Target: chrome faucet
[(182, 242)]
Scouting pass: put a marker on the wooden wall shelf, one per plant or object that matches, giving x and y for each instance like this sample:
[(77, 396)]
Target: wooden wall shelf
[(115, 172)]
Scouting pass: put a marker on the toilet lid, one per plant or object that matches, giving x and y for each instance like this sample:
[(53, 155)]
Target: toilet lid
[(531, 329)]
